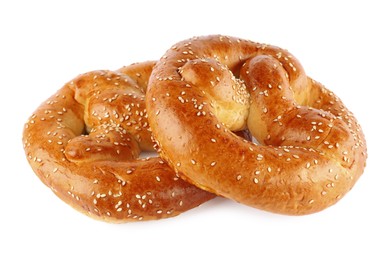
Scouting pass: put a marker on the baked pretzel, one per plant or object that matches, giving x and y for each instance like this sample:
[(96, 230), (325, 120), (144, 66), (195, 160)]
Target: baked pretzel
[(84, 143), (311, 149)]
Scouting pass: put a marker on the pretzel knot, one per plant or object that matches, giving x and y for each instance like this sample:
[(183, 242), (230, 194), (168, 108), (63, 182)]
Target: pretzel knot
[(310, 150), (99, 173)]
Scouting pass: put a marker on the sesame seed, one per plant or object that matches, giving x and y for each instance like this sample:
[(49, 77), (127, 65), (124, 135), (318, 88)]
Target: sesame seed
[(255, 180), (213, 164), (158, 179), (330, 185), (193, 161), (118, 204), (239, 177), (181, 99)]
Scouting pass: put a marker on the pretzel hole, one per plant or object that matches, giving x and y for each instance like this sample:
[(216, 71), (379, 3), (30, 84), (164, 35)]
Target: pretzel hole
[(228, 94)]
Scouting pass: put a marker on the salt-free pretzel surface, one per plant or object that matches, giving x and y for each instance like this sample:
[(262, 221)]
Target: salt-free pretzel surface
[(84, 143), (311, 149)]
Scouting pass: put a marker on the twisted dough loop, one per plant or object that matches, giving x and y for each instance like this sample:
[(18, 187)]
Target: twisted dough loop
[(99, 174), (311, 152)]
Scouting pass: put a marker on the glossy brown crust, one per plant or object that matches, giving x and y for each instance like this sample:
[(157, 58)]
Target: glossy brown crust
[(99, 173), (312, 149)]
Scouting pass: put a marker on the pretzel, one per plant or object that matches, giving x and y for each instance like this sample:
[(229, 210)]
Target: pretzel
[(310, 150), (84, 143)]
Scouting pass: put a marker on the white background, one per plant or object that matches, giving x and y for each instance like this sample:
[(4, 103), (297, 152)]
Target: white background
[(343, 44)]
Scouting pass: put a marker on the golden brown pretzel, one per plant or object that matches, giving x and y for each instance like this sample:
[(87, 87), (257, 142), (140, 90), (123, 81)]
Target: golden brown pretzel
[(311, 152), (99, 174)]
